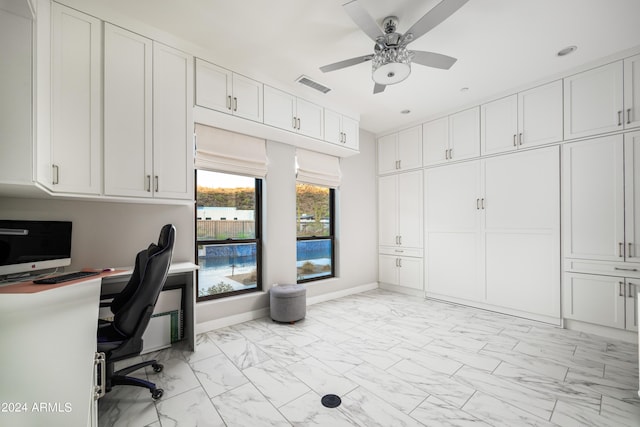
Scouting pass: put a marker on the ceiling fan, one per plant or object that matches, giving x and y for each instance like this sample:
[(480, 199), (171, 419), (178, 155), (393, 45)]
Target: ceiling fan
[(391, 60)]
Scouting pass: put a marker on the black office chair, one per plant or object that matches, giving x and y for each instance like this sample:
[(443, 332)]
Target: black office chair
[(132, 308)]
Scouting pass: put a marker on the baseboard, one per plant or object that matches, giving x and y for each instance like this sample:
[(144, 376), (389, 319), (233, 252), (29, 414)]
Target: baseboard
[(603, 331), (223, 322), (342, 293)]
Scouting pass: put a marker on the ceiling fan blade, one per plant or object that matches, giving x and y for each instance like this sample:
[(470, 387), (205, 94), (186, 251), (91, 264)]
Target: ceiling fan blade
[(362, 19), (435, 16), (346, 63), (431, 59), (378, 88)]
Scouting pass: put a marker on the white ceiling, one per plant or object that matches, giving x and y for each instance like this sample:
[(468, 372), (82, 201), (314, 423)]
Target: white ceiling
[(500, 45)]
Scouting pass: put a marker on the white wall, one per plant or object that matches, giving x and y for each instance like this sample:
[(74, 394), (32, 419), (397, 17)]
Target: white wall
[(108, 234)]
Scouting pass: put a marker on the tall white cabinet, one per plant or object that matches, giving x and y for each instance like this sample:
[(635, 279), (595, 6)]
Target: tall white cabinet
[(602, 222), (400, 234), (76, 109), (493, 232)]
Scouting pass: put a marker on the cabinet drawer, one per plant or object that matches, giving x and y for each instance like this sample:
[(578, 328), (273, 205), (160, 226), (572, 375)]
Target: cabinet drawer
[(404, 252), (619, 269)]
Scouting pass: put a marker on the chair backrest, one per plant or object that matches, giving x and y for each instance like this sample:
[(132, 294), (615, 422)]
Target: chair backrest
[(132, 308)]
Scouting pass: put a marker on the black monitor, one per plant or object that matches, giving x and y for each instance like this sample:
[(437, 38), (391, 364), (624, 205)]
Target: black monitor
[(27, 246)]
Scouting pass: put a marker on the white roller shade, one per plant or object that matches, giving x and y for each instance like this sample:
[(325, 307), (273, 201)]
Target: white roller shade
[(316, 168), (224, 151)]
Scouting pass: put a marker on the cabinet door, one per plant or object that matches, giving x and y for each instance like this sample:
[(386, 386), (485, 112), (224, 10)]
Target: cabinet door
[(410, 207), (632, 92), (388, 210), (540, 115), (309, 117), (631, 305), (16, 51), (594, 199), (435, 141), (410, 148), (499, 125), (410, 271), (632, 196), (453, 240), (522, 231), (279, 109), (128, 114), (387, 153), (464, 134), (76, 51), (213, 87), (594, 299), (388, 269), (172, 123), (351, 132), (593, 101), (333, 127), (247, 98)]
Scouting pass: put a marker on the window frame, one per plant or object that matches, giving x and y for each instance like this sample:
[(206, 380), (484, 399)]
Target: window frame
[(257, 240), (331, 237)]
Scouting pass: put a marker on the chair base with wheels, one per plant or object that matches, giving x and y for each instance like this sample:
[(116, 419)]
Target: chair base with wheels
[(120, 377)]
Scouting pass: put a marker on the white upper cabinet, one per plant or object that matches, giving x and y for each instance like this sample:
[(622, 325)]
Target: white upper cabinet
[(128, 135), (220, 89), (76, 86), (172, 123), (288, 112), (456, 137), (593, 101), (526, 119), (400, 151), (147, 118), (632, 92), (341, 130), (16, 140)]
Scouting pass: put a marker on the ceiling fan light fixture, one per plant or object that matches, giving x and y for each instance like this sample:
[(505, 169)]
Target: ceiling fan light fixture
[(391, 65)]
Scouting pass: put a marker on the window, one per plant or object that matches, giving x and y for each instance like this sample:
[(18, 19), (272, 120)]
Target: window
[(228, 250), (315, 246)]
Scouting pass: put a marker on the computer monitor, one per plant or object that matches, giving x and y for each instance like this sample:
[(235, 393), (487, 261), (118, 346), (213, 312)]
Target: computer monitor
[(27, 246)]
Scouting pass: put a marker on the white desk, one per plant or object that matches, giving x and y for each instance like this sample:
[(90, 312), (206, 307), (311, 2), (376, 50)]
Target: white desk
[(48, 342)]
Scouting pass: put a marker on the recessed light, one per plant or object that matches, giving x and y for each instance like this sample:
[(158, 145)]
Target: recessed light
[(567, 50), (405, 111)]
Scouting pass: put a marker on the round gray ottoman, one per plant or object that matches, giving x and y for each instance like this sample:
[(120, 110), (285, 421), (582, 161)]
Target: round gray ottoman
[(288, 303)]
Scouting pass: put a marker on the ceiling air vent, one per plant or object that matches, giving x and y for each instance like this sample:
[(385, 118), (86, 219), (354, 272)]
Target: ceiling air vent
[(314, 85)]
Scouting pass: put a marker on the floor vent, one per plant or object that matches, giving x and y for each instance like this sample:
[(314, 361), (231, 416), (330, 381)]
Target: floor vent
[(331, 401), (312, 84)]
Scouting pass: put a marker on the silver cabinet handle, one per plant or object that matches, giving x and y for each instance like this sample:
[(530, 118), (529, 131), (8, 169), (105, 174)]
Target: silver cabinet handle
[(620, 289), (55, 179), (235, 104), (446, 154), (620, 249), (478, 204), (400, 262), (400, 240), (630, 293), (482, 203), (628, 116), (397, 259), (514, 140), (294, 122), (148, 184), (157, 182), (450, 153), (629, 253), (625, 269), (100, 361), (229, 102), (298, 123), (620, 118), (520, 139)]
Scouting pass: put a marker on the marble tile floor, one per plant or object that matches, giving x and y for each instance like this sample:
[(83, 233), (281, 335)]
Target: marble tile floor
[(394, 360)]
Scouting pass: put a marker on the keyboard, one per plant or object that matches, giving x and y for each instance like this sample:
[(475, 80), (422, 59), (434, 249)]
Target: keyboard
[(65, 277)]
